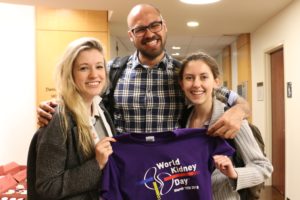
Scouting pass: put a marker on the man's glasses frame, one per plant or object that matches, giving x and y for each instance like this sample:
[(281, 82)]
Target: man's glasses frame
[(154, 27)]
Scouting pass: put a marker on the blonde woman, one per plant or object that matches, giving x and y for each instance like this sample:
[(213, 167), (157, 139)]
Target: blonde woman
[(66, 157)]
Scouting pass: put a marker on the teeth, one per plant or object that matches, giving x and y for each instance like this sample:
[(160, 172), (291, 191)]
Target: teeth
[(197, 92), (152, 43), (93, 83)]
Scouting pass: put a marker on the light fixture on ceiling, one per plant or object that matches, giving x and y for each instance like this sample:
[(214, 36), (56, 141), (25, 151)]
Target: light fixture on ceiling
[(176, 47), (175, 54), (199, 1), (192, 24)]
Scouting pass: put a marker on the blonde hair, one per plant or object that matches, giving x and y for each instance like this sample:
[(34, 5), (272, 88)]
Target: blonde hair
[(68, 95)]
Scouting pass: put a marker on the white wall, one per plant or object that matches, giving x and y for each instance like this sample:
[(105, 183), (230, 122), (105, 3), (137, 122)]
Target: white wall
[(122, 50), (283, 28), (17, 82)]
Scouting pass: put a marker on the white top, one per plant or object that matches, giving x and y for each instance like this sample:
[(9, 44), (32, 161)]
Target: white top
[(98, 114)]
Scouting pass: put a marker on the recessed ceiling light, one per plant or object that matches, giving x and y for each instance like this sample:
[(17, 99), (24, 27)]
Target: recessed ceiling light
[(192, 24), (175, 54), (199, 1), (176, 48)]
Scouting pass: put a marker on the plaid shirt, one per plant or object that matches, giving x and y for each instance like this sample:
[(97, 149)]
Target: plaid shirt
[(148, 99)]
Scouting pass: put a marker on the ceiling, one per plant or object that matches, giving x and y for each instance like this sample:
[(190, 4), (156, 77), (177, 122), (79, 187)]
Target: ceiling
[(220, 23)]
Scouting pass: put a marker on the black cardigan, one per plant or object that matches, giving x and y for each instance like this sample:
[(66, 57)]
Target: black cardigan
[(68, 175)]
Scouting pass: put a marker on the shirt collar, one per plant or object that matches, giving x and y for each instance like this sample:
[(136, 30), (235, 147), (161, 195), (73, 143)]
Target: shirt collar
[(166, 62), (96, 108)]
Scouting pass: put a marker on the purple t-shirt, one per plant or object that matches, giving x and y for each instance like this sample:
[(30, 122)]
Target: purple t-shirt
[(162, 166)]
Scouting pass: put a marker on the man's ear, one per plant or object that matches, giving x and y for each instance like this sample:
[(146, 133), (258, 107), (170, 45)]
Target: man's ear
[(130, 36), (165, 25)]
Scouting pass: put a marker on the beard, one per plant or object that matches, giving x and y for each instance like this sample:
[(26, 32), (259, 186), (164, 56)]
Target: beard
[(152, 53)]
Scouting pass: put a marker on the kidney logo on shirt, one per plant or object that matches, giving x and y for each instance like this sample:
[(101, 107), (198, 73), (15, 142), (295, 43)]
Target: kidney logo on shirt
[(170, 176)]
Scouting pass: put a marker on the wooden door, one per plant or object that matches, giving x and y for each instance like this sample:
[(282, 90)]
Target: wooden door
[(278, 120)]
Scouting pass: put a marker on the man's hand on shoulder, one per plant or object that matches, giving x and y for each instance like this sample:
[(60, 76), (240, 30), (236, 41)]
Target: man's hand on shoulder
[(230, 122), (227, 125), (45, 111)]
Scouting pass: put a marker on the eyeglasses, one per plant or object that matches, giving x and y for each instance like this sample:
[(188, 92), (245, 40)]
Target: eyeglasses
[(154, 27)]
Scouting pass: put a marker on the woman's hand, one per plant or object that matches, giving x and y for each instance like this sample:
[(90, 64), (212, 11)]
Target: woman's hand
[(103, 150), (224, 164)]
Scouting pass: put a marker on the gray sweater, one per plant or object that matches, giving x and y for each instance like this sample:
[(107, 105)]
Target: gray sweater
[(258, 168)]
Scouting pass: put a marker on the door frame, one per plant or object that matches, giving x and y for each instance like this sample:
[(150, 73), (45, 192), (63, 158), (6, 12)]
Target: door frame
[(268, 104)]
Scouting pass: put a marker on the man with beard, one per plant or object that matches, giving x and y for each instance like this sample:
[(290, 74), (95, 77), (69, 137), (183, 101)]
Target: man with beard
[(147, 96)]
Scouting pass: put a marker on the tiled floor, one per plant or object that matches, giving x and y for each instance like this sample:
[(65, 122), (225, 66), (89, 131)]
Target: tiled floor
[(269, 193)]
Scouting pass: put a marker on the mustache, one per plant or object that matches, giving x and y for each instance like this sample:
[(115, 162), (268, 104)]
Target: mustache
[(146, 40)]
